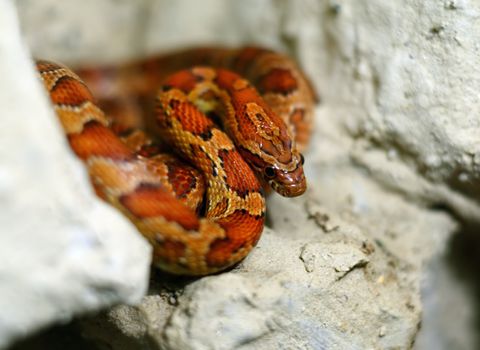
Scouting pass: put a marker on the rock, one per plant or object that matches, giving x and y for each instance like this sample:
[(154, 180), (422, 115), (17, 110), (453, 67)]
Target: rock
[(400, 79), (447, 291), (63, 252), (355, 287)]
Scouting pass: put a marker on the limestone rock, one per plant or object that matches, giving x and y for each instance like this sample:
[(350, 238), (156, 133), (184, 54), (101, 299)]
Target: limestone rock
[(355, 287), (62, 251), (341, 269)]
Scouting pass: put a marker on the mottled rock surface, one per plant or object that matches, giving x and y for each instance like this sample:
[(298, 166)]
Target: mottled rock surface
[(62, 252), (339, 269)]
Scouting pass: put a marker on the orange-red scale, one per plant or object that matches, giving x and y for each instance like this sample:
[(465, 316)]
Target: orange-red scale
[(191, 118), (98, 140), (277, 80), (234, 165), (148, 202), (242, 230), (181, 178)]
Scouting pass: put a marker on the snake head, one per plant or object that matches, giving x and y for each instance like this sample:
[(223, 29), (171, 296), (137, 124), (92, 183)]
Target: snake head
[(290, 182), (286, 179)]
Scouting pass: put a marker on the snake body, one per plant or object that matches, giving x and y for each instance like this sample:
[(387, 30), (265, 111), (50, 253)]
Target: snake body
[(161, 194)]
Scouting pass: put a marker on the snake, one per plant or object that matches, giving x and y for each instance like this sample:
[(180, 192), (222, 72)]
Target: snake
[(187, 144)]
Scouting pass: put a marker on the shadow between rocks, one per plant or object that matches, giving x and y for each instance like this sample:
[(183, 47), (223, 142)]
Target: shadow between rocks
[(58, 337), (463, 259)]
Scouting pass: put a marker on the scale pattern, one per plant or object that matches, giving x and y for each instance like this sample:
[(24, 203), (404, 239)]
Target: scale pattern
[(160, 193)]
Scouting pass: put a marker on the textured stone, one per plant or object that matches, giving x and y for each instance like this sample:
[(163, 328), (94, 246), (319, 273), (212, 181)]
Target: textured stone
[(355, 287), (62, 251)]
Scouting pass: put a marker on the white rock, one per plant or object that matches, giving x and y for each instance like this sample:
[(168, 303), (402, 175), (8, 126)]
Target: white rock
[(62, 251), (306, 285), (409, 72), (356, 287)]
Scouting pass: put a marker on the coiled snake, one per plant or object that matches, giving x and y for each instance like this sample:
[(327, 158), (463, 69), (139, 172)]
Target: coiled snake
[(160, 193)]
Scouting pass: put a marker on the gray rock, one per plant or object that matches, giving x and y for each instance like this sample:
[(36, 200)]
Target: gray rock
[(356, 286), (62, 251)]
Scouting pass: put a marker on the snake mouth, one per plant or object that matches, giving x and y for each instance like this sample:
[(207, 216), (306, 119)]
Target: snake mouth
[(291, 184), (292, 190)]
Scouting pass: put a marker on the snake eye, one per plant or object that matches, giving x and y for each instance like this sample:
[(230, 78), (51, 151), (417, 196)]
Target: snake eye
[(302, 159), (269, 172)]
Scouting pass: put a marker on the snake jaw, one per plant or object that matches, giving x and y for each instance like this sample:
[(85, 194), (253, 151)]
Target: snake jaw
[(289, 183), (289, 179)]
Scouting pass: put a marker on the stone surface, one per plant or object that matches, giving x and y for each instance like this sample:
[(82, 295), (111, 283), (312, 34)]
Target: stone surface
[(350, 287), (62, 251), (340, 268), (446, 291), (394, 155), (401, 81)]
